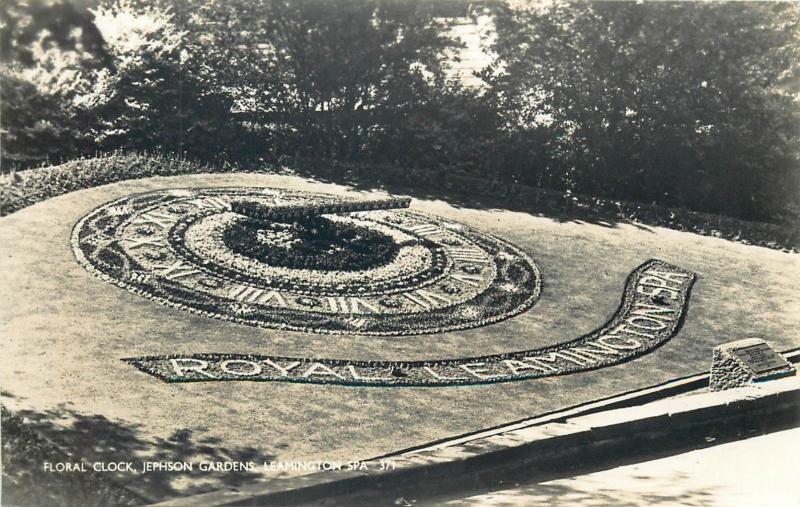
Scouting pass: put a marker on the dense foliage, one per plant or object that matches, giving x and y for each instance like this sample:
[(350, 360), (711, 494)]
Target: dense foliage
[(152, 97), (47, 51), (672, 102), (689, 104)]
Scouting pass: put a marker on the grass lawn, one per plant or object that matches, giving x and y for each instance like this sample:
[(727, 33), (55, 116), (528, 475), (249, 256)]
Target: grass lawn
[(64, 333)]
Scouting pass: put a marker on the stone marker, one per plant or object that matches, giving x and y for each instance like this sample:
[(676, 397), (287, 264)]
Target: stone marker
[(738, 363)]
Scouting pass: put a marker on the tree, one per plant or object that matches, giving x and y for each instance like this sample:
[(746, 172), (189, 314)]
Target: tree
[(672, 102), (151, 98), (48, 51), (323, 77)]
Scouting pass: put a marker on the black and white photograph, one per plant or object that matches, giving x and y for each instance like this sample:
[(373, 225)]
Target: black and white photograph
[(399, 252)]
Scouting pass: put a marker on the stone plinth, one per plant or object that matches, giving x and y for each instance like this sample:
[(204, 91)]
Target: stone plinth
[(739, 363)]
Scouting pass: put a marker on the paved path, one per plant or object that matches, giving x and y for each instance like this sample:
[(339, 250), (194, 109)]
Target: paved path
[(760, 471)]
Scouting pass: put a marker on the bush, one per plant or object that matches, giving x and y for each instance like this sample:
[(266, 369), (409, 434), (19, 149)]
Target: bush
[(22, 189)]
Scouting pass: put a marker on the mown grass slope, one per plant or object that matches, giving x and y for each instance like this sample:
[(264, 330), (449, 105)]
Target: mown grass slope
[(64, 333)]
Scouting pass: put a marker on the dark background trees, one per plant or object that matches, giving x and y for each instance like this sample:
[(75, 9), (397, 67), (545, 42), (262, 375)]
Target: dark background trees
[(46, 51), (686, 104), (678, 103), (325, 78)]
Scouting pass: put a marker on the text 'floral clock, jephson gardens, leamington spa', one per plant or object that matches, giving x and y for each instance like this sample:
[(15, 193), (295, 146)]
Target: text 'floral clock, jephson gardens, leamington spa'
[(316, 263)]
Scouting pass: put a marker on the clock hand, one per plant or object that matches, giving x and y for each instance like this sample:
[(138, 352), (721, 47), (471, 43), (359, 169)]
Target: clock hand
[(294, 213)]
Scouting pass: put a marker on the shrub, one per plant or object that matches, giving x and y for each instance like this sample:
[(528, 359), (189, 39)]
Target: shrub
[(22, 189)]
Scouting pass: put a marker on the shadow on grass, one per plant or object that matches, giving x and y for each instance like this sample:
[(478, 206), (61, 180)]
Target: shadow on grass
[(496, 197), (465, 190), (64, 435)]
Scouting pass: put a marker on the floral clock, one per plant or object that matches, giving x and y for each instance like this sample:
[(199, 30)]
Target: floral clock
[(306, 262)]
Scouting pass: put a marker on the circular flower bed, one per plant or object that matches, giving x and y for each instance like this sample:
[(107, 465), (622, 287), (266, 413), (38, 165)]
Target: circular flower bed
[(270, 258)]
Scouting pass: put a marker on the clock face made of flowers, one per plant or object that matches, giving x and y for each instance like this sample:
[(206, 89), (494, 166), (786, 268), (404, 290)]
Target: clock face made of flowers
[(306, 262)]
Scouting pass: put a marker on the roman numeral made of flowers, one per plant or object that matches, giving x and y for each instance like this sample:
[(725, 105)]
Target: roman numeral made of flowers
[(468, 279), (425, 298), (467, 255), (179, 270), (214, 203), (428, 231), (349, 305), (248, 294), (157, 218), (142, 242)]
